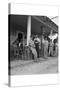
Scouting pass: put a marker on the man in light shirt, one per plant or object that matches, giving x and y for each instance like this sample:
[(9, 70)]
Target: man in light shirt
[(45, 42), (37, 41)]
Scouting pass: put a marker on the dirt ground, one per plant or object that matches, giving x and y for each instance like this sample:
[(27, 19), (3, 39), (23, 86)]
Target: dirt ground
[(42, 66)]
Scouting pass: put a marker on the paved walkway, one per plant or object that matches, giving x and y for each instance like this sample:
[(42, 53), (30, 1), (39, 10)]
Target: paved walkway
[(42, 66)]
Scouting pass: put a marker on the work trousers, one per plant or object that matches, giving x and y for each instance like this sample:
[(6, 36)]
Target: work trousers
[(45, 51), (37, 49)]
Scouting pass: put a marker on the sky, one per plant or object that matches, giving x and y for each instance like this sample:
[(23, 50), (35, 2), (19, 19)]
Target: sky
[(54, 19)]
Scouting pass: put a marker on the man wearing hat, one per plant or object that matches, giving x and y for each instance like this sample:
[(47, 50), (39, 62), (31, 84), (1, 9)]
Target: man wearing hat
[(37, 41)]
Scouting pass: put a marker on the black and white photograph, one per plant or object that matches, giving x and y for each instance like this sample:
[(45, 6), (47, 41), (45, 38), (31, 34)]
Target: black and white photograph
[(33, 44), (30, 44)]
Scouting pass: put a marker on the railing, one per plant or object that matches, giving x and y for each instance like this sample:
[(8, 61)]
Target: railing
[(17, 53)]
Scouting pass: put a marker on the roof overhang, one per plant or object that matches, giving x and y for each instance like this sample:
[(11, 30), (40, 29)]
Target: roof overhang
[(19, 22)]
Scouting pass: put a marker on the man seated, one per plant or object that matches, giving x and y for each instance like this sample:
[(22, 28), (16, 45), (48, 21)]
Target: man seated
[(18, 43), (32, 48)]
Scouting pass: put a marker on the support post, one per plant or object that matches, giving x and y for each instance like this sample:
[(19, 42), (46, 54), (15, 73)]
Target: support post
[(41, 40), (28, 29)]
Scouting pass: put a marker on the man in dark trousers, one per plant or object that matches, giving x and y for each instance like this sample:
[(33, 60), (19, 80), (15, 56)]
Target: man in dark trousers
[(37, 41)]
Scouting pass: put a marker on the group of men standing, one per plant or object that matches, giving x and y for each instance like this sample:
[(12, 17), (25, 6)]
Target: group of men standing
[(39, 45), (36, 45)]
